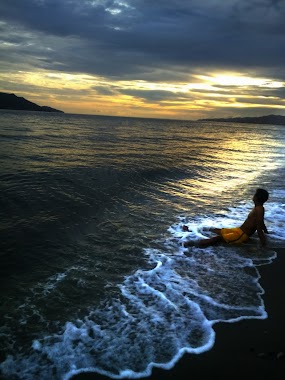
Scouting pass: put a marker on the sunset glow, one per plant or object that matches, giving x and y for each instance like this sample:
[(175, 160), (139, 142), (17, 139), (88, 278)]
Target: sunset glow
[(127, 59)]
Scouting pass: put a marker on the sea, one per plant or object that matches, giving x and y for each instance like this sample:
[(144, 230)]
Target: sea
[(94, 275)]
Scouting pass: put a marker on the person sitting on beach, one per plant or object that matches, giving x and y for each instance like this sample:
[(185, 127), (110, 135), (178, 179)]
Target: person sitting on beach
[(254, 222)]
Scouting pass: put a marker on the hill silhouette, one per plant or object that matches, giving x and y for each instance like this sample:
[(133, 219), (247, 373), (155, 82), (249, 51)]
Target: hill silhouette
[(268, 119), (13, 102)]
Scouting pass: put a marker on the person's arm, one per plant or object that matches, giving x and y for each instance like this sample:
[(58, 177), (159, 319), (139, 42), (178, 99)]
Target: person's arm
[(260, 225), (265, 228)]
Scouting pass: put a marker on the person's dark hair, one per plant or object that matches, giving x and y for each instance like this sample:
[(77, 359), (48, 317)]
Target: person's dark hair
[(261, 195)]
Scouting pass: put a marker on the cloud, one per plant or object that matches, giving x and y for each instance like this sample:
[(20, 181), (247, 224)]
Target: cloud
[(132, 39), (154, 96), (104, 44)]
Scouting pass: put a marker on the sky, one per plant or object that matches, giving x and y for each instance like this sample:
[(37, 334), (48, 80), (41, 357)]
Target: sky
[(177, 59)]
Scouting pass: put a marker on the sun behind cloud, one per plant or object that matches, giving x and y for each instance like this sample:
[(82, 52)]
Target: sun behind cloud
[(239, 80), (203, 93)]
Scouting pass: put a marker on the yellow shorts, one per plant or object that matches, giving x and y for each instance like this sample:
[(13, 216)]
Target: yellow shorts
[(234, 235)]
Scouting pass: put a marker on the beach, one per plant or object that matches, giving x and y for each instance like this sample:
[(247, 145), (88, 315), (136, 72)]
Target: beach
[(250, 349)]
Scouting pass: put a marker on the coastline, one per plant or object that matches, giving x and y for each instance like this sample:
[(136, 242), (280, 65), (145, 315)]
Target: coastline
[(249, 349)]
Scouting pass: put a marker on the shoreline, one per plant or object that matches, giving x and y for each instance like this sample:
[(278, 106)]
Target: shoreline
[(249, 349)]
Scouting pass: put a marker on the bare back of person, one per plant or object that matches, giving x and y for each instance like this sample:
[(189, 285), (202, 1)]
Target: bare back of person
[(250, 225)]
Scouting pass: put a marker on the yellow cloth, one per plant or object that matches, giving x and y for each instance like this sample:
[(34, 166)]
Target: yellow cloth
[(234, 235)]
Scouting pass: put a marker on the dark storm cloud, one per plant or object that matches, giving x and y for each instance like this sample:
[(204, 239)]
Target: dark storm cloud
[(133, 39), (104, 90), (155, 95)]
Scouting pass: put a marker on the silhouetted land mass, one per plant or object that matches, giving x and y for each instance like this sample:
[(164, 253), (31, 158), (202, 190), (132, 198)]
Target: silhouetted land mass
[(268, 119), (13, 102)]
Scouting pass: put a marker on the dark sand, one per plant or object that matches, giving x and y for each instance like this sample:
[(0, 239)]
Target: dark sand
[(250, 349)]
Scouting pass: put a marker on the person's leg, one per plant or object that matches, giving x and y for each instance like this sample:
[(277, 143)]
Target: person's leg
[(211, 241), (212, 229), (215, 230), (204, 242)]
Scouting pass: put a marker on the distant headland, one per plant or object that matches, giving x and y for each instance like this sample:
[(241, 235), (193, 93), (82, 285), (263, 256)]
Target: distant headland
[(268, 119), (13, 102)]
